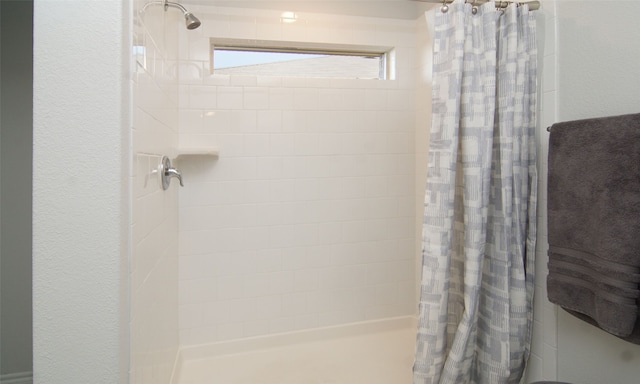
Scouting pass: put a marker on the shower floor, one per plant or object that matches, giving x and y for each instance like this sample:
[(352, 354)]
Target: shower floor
[(378, 352)]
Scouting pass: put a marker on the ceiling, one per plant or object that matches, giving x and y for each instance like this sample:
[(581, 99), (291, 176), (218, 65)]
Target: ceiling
[(395, 9)]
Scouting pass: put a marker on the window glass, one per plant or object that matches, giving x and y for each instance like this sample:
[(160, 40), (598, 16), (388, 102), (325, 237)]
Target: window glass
[(298, 62)]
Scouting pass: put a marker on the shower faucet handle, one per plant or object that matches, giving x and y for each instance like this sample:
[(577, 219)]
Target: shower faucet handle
[(167, 173), (172, 172)]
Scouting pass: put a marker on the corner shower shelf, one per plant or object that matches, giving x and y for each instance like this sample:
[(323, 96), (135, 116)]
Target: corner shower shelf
[(197, 151)]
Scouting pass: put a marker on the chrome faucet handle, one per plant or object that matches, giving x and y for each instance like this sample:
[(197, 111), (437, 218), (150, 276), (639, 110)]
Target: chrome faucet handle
[(167, 172), (172, 172)]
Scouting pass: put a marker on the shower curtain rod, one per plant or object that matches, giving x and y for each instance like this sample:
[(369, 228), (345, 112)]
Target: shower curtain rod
[(533, 5)]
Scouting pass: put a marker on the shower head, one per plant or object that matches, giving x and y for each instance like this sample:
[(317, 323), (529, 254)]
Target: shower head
[(191, 21)]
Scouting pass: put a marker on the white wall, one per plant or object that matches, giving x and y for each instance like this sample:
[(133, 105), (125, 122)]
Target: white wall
[(154, 261), (543, 360), (15, 191), (598, 56), (81, 192), (307, 219)]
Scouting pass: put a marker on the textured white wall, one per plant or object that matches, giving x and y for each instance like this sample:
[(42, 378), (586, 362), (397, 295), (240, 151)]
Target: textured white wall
[(307, 219), (80, 193), (598, 56)]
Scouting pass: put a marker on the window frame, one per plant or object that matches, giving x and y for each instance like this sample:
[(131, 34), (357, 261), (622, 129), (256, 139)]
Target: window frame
[(385, 54)]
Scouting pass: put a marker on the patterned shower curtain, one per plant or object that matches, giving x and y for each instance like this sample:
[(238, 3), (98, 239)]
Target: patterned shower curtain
[(479, 228)]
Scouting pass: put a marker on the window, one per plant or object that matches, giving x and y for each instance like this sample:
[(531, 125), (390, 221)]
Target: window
[(229, 56)]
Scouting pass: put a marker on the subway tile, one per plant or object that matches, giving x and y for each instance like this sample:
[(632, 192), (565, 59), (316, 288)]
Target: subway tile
[(282, 144), (329, 233), (230, 287), (294, 31), (211, 121), (195, 291), (268, 307), (256, 98), (294, 223), (191, 120), (229, 97), (269, 81), (305, 99), (269, 168), (268, 261), (322, 31), (253, 190), (191, 72), (269, 28), (331, 99), (202, 97), (217, 80), (256, 285), (198, 335), (375, 100), (306, 280), (326, 319), (386, 294), (269, 121), (295, 121), (218, 26), (307, 321), (363, 33), (243, 121), (196, 266), (282, 324), (199, 49), (256, 145), (306, 144), (190, 315), (255, 328), (282, 190), (242, 27), (294, 259), (230, 331), (294, 304), (281, 98), (247, 81), (400, 100)]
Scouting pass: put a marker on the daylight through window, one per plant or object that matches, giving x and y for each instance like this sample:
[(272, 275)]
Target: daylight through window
[(299, 61)]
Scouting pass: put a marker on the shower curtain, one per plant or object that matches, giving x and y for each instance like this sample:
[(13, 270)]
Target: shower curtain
[(476, 304)]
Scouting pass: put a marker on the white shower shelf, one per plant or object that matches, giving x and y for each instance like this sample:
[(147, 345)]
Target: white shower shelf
[(198, 151)]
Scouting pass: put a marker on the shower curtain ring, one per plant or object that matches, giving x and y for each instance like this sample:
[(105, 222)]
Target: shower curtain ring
[(444, 7), (474, 9)]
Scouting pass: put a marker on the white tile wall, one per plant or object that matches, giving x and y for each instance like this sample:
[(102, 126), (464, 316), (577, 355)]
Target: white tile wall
[(154, 263), (544, 351), (424, 56), (308, 217)]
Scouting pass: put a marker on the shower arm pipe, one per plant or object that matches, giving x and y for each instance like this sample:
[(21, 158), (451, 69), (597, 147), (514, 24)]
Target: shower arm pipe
[(166, 4), (533, 5), (191, 21)]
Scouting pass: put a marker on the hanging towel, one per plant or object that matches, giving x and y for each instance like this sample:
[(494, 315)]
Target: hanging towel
[(594, 222)]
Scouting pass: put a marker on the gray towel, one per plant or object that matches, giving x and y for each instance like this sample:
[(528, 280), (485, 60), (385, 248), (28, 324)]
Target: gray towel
[(594, 222)]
